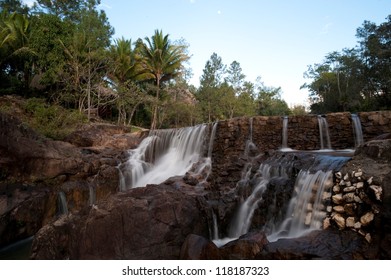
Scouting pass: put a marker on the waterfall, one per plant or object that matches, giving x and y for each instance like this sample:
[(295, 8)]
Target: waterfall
[(161, 155), (324, 133), (215, 226), (92, 195), (243, 217), (62, 205), (311, 194), (306, 209), (211, 139), (204, 167), (357, 131), (284, 133)]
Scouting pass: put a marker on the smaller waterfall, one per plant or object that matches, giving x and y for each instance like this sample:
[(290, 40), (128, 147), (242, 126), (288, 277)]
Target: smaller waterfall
[(203, 167), (243, 218), (306, 209), (324, 133), (357, 131), (215, 226), (312, 193), (62, 204), (92, 195), (285, 133), (161, 155)]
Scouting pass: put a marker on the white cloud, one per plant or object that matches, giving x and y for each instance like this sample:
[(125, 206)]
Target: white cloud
[(326, 28)]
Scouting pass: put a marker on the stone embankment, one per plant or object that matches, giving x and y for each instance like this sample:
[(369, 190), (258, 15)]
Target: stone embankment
[(355, 200)]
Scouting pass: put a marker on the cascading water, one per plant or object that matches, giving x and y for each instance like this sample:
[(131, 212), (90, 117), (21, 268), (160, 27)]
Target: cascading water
[(357, 131), (163, 154), (242, 220), (324, 133), (204, 167), (307, 207), (92, 195), (62, 204), (284, 145)]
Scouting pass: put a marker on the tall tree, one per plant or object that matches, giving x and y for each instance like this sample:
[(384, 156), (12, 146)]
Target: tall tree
[(125, 67), (15, 52), (235, 77), (162, 61), (337, 84), (375, 47), (210, 81)]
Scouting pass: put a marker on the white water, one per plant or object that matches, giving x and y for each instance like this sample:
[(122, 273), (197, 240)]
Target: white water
[(285, 133), (92, 195), (163, 154), (306, 209), (243, 217), (324, 133), (204, 167), (357, 131), (62, 204)]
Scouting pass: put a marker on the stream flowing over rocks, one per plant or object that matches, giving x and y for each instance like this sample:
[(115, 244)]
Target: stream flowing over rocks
[(245, 188)]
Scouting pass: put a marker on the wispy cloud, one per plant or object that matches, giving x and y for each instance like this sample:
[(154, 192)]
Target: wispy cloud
[(326, 28), (105, 6)]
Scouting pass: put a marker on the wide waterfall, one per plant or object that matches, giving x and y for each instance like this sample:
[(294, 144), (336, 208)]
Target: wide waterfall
[(166, 153)]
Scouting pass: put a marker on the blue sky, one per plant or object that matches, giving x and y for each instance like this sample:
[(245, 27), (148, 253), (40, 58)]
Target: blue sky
[(274, 39)]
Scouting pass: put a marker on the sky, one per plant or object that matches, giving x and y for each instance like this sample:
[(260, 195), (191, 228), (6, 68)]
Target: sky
[(275, 40)]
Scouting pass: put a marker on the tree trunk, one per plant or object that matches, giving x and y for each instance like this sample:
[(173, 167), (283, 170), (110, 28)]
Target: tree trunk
[(155, 106)]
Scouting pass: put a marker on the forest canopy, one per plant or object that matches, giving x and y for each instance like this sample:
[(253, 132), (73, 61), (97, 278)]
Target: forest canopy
[(64, 52)]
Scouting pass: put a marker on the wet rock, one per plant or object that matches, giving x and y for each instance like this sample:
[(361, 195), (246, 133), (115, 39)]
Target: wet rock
[(323, 244), (247, 246)]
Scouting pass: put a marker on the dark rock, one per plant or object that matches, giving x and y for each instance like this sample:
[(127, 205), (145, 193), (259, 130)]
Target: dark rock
[(247, 246), (142, 223), (197, 247), (322, 244)]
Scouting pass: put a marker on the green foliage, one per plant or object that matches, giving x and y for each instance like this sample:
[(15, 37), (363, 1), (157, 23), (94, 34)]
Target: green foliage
[(356, 79), (53, 121), (161, 61)]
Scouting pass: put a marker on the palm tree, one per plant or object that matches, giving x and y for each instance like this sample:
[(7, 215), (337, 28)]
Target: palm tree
[(126, 69), (14, 43), (126, 62), (162, 61)]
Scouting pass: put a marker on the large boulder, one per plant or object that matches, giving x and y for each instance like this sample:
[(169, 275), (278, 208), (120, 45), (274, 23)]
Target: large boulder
[(142, 223), (34, 169), (322, 244)]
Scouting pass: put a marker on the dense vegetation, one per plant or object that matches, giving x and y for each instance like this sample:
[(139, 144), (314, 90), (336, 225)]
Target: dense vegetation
[(63, 52), (355, 79)]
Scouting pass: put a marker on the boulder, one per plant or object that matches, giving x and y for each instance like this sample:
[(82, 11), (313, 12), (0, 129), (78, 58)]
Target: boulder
[(322, 244), (142, 223), (198, 247)]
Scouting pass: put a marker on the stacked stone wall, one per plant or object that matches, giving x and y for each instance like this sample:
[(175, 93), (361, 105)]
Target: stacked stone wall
[(303, 134)]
